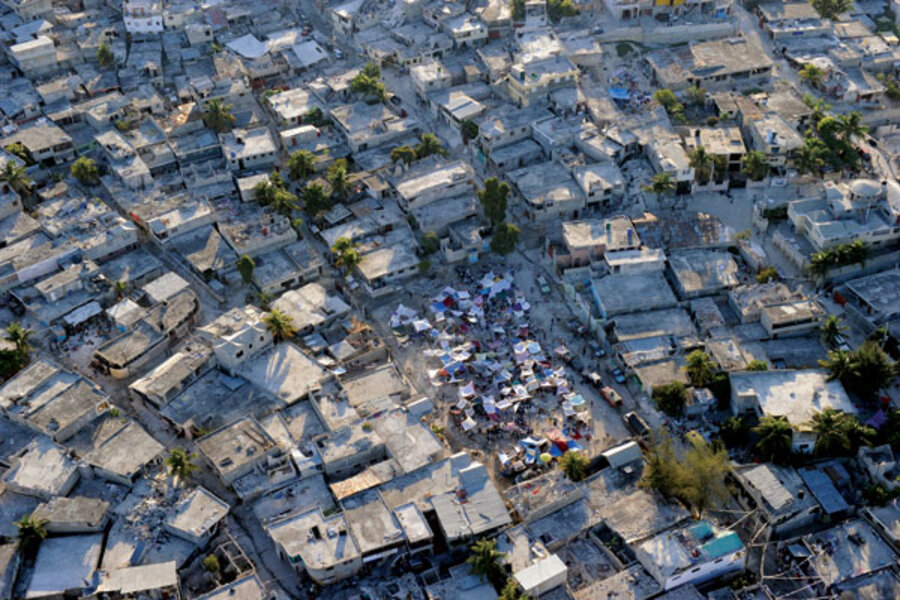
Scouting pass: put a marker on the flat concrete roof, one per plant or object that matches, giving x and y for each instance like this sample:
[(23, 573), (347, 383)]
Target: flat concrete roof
[(704, 271), (320, 542), (65, 564), (854, 549), (634, 583), (795, 395), (44, 469), (285, 372), (124, 450), (673, 321), (197, 513), (234, 446), (625, 293), (880, 292), (373, 525)]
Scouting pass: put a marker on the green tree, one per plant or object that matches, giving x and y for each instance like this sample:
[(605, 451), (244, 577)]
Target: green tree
[(181, 465), (818, 107), (493, 200), (699, 368), (284, 202), (371, 69), (705, 469), (469, 128), (429, 144), (734, 432), (31, 532), (19, 150), (839, 364), (811, 156), (850, 126), (670, 398), (105, 55), (511, 591), (766, 275), (280, 325), (504, 239), (832, 330), (775, 439), (702, 162), (368, 83), (218, 116), (345, 253), (301, 164), (315, 201), (484, 561), (574, 465), (661, 184), (517, 8), (430, 242), (245, 266), (338, 178), (664, 471), (85, 171), (120, 287), (558, 9), (757, 365), (211, 563), (873, 370), (812, 75), (16, 178), (695, 94), (831, 433), (403, 154), (667, 99), (829, 9), (755, 165), (315, 117)]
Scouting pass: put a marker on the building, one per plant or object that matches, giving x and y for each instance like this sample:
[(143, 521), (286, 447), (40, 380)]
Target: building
[(196, 517), (843, 562), (794, 318), (772, 135), (724, 143), (534, 81), (237, 336), (784, 501), (429, 180), (46, 143), (587, 241), (34, 58), (158, 581), (382, 268), (238, 449), (30, 10), (794, 395), (56, 571), (143, 16), (712, 65), (702, 272), (692, 555), (322, 547), (73, 515), (312, 307), (542, 576), (249, 149)]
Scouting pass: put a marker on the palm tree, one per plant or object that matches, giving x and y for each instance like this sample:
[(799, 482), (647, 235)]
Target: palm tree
[(574, 465), (19, 336), (348, 259), (850, 126), (403, 154), (485, 560), (857, 252), (218, 115), (811, 155), (699, 368), (181, 464), (839, 364), (301, 164), (314, 199), (469, 129), (280, 325), (338, 178), (429, 145), (120, 287), (812, 74), (873, 370), (818, 107), (15, 176), (702, 162), (755, 166), (661, 184), (831, 432), (105, 56), (32, 530), (831, 331), (284, 202), (245, 266), (775, 438), (85, 171)]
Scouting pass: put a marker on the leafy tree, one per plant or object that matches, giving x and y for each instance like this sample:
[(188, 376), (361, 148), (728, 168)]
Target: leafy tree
[(850, 126), (699, 368), (338, 178), (211, 563), (16, 178), (429, 144), (180, 463), (20, 336), (315, 117), (831, 433), (19, 150), (664, 471), (872, 371), (518, 9), (574, 465), (757, 365), (755, 166), (705, 468), (505, 238), (661, 184), (120, 287), (734, 432), (85, 171), (493, 200), (346, 254), (484, 561), (245, 266), (368, 83), (818, 107), (405, 154), (702, 162), (811, 156), (284, 202), (670, 398), (218, 116), (766, 275), (315, 201), (839, 364), (831, 331), (430, 242), (469, 128), (280, 325), (812, 75), (424, 266), (371, 69), (695, 94), (301, 164), (511, 591), (105, 55), (670, 103), (829, 9), (775, 438), (31, 532)]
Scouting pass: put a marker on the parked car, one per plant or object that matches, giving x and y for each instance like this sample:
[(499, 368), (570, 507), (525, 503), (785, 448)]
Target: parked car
[(593, 378), (395, 100), (597, 349), (543, 285), (618, 374), (611, 396), (636, 424)]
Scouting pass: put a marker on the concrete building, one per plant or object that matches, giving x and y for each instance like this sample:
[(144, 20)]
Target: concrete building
[(322, 547), (702, 272), (383, 268), (784, 502), (249, 149), (196, 517), (143, 16), (793, 395), (712, 65), (65, 566), (844, 562), (312, 307), (73, 515), (34, 58), (795, 318), (237, 336), (534, 81)]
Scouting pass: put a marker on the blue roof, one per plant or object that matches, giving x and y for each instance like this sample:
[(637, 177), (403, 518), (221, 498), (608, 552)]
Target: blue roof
[(723, 546), (701, 530), (824, 491)]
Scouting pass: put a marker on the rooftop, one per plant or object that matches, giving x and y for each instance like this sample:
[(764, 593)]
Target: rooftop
[(197, 513), (848, 551), (285, 372), (318, 541), (236, 445), (64, 565), (795, 395)]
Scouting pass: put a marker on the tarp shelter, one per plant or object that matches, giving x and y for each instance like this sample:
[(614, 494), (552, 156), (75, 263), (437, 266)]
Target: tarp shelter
[(83, 313), (248, 47)]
